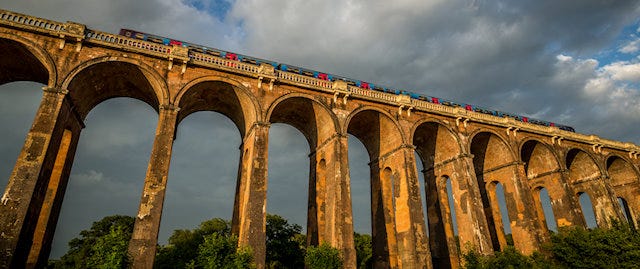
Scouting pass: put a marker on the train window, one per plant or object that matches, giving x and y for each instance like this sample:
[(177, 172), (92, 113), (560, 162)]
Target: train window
[(323, 76), (231, 56)]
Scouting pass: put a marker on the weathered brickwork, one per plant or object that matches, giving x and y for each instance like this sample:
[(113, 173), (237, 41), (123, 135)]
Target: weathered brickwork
[(474, 152)]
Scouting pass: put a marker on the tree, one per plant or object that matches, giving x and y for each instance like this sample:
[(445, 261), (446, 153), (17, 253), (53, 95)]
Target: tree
[(364, 252), (220, 252), (283, 251), (184, 245), (104, 245), (323, 257)]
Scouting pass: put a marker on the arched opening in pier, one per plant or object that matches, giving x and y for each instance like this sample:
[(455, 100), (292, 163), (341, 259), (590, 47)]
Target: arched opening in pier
[(587, 210), (626, 211), (502, 217), (544, 209)]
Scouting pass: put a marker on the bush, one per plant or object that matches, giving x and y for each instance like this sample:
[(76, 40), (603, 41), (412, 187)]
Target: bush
[(617, 247), (323, 257)]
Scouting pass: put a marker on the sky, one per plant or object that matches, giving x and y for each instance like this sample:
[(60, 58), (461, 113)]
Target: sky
[(572, 62)]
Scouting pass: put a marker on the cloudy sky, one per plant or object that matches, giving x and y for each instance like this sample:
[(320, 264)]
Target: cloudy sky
[(572, 62)]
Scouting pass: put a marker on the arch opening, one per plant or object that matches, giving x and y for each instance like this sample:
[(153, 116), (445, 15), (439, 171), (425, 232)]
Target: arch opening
[(19, 103), (203, 172), (292, 183), (222, 97), (110, 164), (620, 172), (626, 212), (581, 167), (588, 212), (317, 125), (360, 176), (544, 209), (101, 81), (18, 63)]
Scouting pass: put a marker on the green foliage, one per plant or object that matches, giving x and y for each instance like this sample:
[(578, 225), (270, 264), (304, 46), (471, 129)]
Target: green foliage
[(283, 244), (323, 257), (618, 247), (104, 245), (185, 245), (219, 251), (110, 250), (508, 258), (364, 252), (575, 247)]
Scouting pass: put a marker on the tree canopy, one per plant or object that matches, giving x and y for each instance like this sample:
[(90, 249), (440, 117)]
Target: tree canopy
[(210, 245), (104, 245)]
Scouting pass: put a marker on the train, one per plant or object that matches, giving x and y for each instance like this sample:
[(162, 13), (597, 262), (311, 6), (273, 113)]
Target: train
[(330, 77)]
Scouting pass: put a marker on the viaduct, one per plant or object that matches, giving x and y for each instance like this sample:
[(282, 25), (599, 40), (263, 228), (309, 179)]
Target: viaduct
[(475, 152)]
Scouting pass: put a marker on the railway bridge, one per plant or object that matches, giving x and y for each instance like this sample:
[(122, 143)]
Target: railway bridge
[(469, 151)]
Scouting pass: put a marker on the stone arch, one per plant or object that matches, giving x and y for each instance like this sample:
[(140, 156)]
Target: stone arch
[(97, 80), (581, 166), (490, 151), (432, 137), (538, 158), (226, 96), (621, 171), (22, 59), (368, 124), (310, 116)]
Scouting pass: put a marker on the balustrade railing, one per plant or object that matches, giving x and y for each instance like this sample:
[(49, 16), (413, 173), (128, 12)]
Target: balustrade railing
[(127, 42), (34, 22), (304, 80)]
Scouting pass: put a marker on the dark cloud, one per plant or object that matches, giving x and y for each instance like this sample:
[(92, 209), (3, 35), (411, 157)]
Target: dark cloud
[(531, 57)]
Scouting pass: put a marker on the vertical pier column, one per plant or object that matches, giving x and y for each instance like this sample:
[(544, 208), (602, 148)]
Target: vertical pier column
[(22, 200), (472, 226), (48, 218), (396, 201), (330, 216), (142, 246), (527, 233), (250, 213)]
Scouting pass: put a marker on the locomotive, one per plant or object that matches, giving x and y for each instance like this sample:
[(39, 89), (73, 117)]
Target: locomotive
[(330, 77)]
